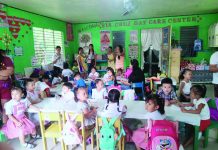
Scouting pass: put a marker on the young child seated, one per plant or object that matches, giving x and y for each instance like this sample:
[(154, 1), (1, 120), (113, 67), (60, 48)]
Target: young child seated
[(79, 82), (40, 87), (113, 108), (155, 107), (119, 74), (75, 67), (166, 92), (56, 79), (18, 125), (32, 95), (45, 78), (99, 92), (109, 76), (93, 74), (81, 98), (67, 94), (201, 107), (66, 72), (185, 85)]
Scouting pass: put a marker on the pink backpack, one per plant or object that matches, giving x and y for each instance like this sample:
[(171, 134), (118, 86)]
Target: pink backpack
[(163, 135)]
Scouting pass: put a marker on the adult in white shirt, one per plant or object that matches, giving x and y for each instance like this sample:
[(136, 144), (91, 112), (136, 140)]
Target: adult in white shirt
[(214, 69), (58, 60)]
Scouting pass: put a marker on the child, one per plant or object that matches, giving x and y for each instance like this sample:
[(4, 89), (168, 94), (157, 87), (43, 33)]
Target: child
[(79, 82), (201, 107), (83, 107), (119, 63), (155, 108), (18, 125), (93, 74), (99, 92), (91, 58), (111, 58), (40, 87), (119, 74), (166, 92), (45, 78), (56, 79), (113, 108), (66, 72), (185, 85), (67, 94), (109, 76), (75, 67), (32, 95)]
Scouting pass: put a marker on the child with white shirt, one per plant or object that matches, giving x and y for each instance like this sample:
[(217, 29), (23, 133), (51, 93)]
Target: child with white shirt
[(99, 92), (113, 108), (155, 107), (66, 72), (93, 74), (109, 76), (32, 95), (201, 107), (56, 79), (185, 85), (67, 93)]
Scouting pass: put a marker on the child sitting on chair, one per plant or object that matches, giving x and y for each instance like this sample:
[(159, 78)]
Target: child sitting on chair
[(93, 74), (79, 82), (67, 94), (99, 92), (166, 92)]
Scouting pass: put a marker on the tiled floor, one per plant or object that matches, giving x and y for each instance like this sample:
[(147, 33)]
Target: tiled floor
[(15, 144)]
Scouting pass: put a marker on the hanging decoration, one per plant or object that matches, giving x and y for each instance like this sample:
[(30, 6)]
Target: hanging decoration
[(6, 40), (14, 23), (84, 41), (105, 40)]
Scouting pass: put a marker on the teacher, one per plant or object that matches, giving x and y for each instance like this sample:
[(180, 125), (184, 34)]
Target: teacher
[(58, 61), (214, 69), (6, 70)]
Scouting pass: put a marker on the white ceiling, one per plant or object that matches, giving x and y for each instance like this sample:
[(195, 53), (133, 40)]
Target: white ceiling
[(83, 11)]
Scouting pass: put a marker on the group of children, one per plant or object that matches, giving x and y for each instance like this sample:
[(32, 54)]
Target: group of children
[(18, 124)]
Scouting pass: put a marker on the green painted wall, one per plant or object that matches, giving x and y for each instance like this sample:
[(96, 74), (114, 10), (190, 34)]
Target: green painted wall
[(203, 21), (27, 41)]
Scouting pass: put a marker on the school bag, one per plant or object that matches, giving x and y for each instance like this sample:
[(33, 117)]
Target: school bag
[(2, 137), (108, 136), (163, 135), (70, 133)]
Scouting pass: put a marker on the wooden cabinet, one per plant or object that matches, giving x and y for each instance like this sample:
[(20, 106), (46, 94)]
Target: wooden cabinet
[(175, 57)]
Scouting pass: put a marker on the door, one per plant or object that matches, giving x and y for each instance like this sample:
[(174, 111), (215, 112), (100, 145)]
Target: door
[(118, 38)]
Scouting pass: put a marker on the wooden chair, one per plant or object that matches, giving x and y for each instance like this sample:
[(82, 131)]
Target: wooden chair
[(117, 125), (214, 124), (86, 133), (54, 130)]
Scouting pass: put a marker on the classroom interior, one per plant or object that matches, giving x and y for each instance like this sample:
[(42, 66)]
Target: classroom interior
[(165, 37)]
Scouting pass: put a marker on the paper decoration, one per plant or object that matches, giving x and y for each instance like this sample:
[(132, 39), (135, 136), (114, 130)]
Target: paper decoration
[(6, 39), (18, 51), (134, 37), (14, 23), (105, 40), (34, 61), (69, 32), (84, 40), (133, 51)]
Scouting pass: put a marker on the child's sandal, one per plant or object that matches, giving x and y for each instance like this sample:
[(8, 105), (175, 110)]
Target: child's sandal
[(36, 136), (29, 145)]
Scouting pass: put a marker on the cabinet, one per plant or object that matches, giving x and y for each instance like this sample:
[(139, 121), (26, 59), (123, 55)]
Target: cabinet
[(175, 57), (213, 35)]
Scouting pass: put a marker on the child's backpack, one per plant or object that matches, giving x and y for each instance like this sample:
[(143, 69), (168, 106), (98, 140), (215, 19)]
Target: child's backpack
[(70, 133), (108, 136), (163, 135), (2, 137)]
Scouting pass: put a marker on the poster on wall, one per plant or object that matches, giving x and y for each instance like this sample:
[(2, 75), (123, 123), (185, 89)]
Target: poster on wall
[(105, 40), (165, 36), (34, 61), (18, 51), (133, 51), (85, 39), (134, 37)]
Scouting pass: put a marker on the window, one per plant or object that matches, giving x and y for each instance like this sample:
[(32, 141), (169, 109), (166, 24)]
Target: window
[(45, 41), (187, 37)]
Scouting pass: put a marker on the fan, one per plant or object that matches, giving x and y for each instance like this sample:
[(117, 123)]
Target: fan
[(129, 6)]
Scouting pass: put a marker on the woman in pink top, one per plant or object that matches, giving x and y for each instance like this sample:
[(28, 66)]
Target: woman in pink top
[(119, 64)]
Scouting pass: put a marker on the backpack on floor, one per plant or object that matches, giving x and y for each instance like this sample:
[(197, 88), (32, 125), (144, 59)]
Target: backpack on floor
[(108, 136), (70, 133), (163, 135)]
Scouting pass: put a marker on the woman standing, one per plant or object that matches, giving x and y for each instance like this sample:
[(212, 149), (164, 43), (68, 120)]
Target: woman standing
[(81, 61), (91, 61), (119, 64), (6, 70), (111, 58)]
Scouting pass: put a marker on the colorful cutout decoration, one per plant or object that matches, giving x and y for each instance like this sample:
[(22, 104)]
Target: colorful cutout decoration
[(105, 40)]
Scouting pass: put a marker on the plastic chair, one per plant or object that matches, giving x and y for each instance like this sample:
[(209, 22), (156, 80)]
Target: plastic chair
[(54, 130), (214, 124), (139, 85), (117, 125), (84, 132)]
